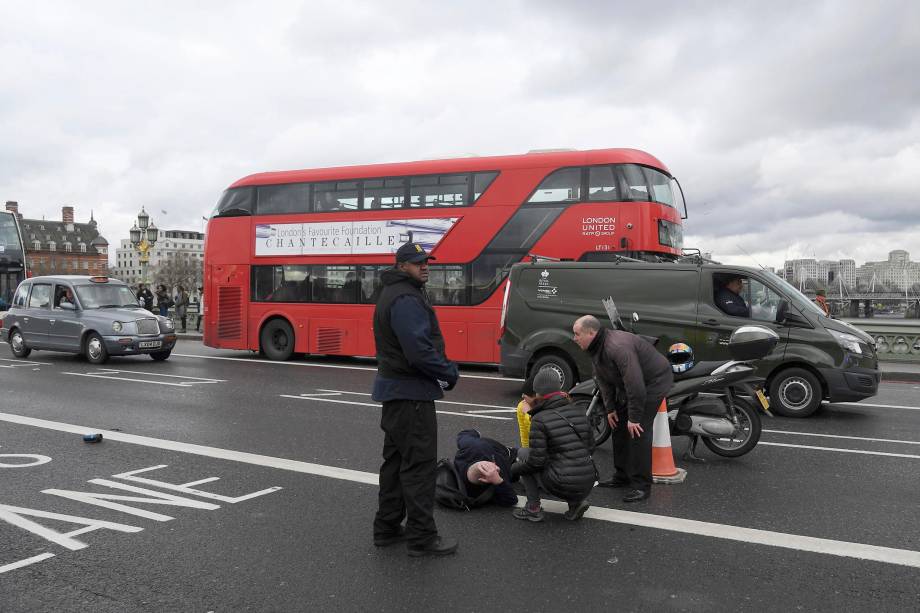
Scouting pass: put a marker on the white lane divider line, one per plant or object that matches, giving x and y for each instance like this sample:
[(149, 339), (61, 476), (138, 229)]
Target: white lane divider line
[(160, 374), (841, 436), (21, 363), (26, 562), (844, 549), (314, 364), (841, 450), (877, 406), (465, 404), (323, 398), (116, 375)]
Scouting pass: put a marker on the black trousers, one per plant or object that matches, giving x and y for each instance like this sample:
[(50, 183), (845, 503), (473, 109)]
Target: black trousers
[(407, 476), (632, 457)]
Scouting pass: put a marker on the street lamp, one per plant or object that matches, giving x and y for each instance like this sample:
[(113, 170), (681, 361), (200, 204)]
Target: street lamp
[(143, 237)]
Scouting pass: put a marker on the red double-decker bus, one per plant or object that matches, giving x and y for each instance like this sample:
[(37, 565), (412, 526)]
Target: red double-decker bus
[(293, 259)]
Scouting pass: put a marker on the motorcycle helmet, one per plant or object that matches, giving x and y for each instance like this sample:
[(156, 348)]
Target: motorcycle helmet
[(681, 357)]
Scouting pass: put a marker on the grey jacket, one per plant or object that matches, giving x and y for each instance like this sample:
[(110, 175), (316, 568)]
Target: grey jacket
[(629, 370)]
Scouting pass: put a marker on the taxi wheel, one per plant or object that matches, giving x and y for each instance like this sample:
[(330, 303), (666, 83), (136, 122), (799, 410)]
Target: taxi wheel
[(95, 350), (18, 345), (159, 356)]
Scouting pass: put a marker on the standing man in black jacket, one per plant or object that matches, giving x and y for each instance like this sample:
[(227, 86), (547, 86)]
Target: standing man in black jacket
[(412, 371), (633, 378)]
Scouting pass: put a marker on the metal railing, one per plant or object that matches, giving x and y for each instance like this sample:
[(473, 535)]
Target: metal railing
[(895, 339)]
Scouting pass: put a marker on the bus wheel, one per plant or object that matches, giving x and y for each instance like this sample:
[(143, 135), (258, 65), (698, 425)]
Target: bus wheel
[(18, 345), (558, 363), (277, 340)]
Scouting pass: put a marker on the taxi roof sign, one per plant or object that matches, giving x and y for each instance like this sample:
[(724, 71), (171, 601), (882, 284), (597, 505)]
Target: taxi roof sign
[(99, 279)]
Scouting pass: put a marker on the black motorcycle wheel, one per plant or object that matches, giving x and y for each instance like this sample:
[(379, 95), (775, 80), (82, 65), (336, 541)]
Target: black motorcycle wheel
[(746, 434), (597, 418)]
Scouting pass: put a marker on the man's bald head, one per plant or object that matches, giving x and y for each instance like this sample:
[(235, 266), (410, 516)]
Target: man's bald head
[(585, 329)]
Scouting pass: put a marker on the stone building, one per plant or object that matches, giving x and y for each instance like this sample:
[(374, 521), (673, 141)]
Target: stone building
[(63, 247)]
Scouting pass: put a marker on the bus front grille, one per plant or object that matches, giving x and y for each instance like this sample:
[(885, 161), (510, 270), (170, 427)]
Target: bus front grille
[(229, 313)]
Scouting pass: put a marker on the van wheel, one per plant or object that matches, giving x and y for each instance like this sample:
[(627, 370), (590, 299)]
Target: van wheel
[(277, 340), (96, 352), (18, 345), (795, 392), (557, 363)]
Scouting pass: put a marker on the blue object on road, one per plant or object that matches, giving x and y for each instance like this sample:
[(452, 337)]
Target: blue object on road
[(92, 438)]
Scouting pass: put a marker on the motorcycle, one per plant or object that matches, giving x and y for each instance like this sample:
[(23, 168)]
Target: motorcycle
[(707, 401)]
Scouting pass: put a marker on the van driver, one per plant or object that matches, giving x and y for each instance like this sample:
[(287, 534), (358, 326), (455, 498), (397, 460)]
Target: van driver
[(729, 300)]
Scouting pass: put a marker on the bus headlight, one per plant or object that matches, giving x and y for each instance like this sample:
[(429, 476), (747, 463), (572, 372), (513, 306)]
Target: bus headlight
[(847, 341), (116, 326)]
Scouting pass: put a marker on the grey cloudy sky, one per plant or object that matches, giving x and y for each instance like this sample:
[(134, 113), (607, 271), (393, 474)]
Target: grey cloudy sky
[(794, 127)]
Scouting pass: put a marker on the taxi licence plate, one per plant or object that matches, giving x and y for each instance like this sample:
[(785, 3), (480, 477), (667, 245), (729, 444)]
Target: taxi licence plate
[(149, 344), (763, 399)]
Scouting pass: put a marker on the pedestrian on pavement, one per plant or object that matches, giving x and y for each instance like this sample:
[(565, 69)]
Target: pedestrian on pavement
[(633, 379), (163, 300), (559, 459), (182, 306), (821, 300), (200, 309), (146, 296), (412, 372), (485, 462)]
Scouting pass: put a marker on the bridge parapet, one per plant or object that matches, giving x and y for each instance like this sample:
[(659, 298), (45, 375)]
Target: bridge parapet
[(895, 339)]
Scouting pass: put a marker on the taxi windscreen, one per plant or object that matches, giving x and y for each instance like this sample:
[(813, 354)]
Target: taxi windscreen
[(105, 296)]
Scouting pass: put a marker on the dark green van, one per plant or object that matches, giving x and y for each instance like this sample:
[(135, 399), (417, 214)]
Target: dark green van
[(818, 357)]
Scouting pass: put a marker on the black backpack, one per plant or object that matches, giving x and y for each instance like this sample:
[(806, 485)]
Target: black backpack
[(450, 488)]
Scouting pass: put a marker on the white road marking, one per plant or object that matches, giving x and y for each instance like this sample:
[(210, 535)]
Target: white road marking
[(83, 374), (841, 436), (304, 364), (878, 406), (377, 406), (160, 374), (107, 373), (860, 451), (26, 562), (466, 404), (845, 549), (20, 363)]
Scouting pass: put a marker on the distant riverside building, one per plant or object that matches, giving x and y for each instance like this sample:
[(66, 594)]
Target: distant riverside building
[(172, 245), (897, 273), (63, 247), (820, 272)]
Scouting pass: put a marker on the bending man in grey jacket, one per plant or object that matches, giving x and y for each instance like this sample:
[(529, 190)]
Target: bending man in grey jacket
[(633, 379)]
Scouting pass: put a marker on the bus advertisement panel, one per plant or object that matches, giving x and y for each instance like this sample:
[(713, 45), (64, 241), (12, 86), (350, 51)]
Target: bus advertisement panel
[(293, 258)]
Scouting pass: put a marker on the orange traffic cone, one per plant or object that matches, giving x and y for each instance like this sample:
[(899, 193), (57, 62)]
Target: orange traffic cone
[(663, 469)]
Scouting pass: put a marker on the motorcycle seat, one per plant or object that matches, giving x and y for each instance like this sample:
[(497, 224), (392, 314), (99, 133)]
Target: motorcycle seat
[(700, 369)]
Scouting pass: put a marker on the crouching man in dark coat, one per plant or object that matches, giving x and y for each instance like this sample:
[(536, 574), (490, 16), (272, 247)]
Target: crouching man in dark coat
[(559, 459), (633, 378)]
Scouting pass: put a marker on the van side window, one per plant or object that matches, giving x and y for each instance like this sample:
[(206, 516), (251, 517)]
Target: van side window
[(763, 300)]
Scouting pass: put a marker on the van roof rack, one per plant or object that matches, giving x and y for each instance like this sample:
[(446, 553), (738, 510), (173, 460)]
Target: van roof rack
[(692, 254), (535, 257)]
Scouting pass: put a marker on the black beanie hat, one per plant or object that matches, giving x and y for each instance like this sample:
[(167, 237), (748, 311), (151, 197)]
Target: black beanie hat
[(543, 382)]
